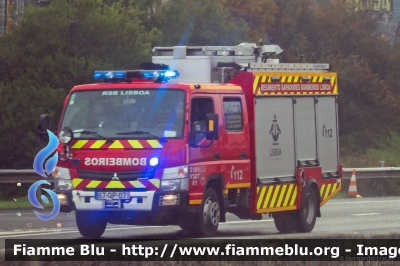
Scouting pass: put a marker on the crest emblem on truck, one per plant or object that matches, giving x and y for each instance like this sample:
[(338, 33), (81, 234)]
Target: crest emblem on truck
[(275, 130), (115, 177)]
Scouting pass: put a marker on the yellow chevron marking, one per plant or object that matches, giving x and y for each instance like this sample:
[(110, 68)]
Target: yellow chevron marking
[(267, 197), (321, 190), (255, 83), (261, 197), (156, 182), (135, 144), (293, 197), (137, 184), (262, 80), (296, 78), (258, 189), (315, 79), (116, 145), (328, 190), (79, 144), (281, 196), (277, 188), (290, 79), (115, 184), (334, 187), (285, 203), (154, 143), (76, 182), (332, 83), (97, 144), (321, 78), (283, 79), (93, 184), (334, 192)]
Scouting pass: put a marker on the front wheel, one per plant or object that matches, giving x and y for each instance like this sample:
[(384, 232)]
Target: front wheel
[(210, 213), (91, 224)]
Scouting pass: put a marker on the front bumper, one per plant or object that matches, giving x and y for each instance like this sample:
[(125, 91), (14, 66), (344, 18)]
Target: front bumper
[(143, 207)]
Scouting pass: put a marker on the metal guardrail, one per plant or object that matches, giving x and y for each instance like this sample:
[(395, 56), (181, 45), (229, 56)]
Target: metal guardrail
[(21, 176), (372, 173), (30, 176)]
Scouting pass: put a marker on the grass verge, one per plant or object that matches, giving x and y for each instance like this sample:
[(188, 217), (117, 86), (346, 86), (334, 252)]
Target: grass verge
[(20, 203)]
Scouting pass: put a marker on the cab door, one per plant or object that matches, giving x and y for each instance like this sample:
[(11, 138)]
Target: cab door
[(234, 142), (204, 160)]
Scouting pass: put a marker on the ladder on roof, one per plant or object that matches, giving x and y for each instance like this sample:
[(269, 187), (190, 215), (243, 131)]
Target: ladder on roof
[(286, 67)]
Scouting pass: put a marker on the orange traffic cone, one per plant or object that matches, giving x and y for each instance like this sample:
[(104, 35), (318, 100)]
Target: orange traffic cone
[(353, 186)]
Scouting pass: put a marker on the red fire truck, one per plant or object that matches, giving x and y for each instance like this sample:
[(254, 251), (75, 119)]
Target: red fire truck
[(237, 132)]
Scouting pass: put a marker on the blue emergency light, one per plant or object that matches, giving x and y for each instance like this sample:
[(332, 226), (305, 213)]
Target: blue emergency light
[(157, 75)]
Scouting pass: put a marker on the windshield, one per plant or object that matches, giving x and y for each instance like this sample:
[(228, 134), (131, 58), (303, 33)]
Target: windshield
[(126, 114)]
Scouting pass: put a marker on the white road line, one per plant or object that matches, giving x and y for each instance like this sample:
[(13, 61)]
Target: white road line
[(357, 201), (15, 214), (17, 234), (365, 214)]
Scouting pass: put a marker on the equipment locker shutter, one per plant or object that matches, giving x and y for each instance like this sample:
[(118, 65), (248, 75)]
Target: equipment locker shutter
[(306, 143), (274, 137), (327, 134)]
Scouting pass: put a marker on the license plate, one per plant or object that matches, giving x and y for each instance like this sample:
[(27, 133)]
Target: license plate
[(112, 195)]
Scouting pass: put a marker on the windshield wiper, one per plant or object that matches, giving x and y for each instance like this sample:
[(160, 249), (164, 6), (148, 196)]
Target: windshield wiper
[(94, 133), (137, 132)]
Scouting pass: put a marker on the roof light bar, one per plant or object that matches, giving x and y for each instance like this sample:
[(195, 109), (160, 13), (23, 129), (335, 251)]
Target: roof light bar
[(109, 74), (158, 75)]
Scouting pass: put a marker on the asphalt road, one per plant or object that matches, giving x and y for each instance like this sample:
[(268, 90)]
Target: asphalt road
[(346, 217)]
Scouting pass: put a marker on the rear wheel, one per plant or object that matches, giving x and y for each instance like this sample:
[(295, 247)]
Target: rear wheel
[(91, 224), (308, 215), (285, 222)]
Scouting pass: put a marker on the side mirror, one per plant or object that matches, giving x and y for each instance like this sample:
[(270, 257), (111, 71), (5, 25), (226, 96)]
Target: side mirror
[(43, 126), (204, 130)]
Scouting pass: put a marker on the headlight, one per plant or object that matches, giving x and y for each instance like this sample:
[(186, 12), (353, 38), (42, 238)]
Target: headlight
[(65, 135), (61, 173), (62, 178), (63, 184), (175, 178), (175, 172)]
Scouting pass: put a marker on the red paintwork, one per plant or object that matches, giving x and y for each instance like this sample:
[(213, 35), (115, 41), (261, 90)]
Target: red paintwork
[(229, 146)]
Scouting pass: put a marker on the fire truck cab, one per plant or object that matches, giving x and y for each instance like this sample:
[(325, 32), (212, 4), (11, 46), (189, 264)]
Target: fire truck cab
[(235, 132)]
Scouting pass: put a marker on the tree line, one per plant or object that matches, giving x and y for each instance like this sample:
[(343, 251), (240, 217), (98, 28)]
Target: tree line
[(58, 46)]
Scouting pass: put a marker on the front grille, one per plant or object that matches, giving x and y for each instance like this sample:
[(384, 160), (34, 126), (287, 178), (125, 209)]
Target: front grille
[(122, 176)]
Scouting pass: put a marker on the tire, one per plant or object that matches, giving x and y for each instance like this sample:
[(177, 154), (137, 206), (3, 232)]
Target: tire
[(286, 222), (91, 224), (210, 214), (188, 224), (308, 215)]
